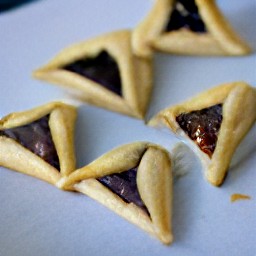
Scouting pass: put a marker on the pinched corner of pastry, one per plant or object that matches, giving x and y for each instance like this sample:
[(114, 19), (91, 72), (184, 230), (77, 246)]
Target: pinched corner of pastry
[(194, 27), (39, 142), (213, 123), (155, 188), (146, 32), (133, 180), (103, 71)]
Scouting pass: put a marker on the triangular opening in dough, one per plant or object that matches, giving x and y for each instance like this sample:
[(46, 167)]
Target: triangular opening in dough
[(185, 15), (213, 123), (134, 181), (202, 126), (103, 71), (40, 141), (190, 27), (37, 138), (124, 185)]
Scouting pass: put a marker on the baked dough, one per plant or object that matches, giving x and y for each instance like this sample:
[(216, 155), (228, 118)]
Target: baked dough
[(219, 39), (238, 101), (135, 74), (154, 184), (15, 156)]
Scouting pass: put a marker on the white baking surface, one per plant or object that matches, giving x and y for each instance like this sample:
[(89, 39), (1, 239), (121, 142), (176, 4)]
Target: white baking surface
[(38, 219)]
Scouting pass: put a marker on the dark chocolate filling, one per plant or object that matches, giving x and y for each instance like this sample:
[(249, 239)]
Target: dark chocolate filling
[(202, 126), (125, 186), (185, 15), (102, 69), (37, 138)]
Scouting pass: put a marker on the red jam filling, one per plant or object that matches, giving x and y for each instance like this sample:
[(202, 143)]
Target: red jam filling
[(202, 126)]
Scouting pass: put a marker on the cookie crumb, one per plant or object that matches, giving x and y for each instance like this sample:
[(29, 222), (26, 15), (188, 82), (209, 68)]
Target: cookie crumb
[(236, 197)]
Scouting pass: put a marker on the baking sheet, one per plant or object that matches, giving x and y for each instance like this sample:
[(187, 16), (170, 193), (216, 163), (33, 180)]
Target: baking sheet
[(38, 219)]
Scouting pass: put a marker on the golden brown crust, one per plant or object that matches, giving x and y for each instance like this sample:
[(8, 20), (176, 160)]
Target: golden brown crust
[(236, 197), (118, 44), (61, 123), (132, 213), (117, 160), (148, 30), (220, 39), (239, 103), (20, 159), (154, 182), (221, 30)]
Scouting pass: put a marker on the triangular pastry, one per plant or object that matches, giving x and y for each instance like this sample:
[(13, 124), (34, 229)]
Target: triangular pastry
[(133, 180), (103, 71), (192, 27), (213, 122), (39, 142)]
